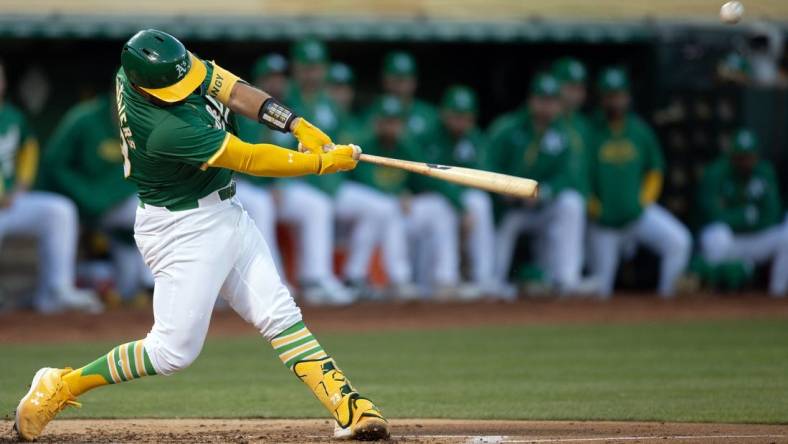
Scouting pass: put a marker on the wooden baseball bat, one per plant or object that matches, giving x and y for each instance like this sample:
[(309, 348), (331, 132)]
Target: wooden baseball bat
[(485, 180)]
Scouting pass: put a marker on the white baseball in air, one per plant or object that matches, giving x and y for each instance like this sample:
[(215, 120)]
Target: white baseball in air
[(731, 12)]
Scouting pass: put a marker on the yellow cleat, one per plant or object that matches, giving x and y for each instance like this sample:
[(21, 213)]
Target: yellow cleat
[(48, 395), (367, 423), (356, 417)]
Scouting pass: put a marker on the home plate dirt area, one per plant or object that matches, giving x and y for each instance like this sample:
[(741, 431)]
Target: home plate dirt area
[(403, 430)]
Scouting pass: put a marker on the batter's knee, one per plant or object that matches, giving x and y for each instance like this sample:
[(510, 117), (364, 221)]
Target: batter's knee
[(170, 357)]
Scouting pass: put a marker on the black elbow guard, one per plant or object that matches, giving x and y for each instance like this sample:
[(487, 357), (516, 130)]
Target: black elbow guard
[(275, 116)]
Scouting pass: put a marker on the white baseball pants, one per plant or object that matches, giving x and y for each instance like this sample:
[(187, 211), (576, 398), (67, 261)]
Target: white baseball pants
[(480, 239), (659, 231), (377, 221), (53, 219), (433, 229), (312, 211), (559, 227), (196, 255), (719, 243)]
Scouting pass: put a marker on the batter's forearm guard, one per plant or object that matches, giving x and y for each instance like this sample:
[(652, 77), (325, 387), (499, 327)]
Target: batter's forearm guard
[(276, 116)]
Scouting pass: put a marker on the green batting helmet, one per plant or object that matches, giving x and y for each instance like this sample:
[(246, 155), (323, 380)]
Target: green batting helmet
[(160, 65)]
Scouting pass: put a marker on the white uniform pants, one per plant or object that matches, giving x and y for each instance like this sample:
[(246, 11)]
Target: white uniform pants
[(130, 270), (719, 243), (53, 219), (196, 255), (433, 229), (480, 238), (377, 221), (559, 227), (659, 231), (312, 211)]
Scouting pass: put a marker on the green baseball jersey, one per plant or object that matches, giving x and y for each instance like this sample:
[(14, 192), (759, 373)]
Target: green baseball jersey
[(620, 159), (578, 131), (84, 155), (165, 147), (442, 148), (14, 132), (519, 149), (387, 180), (351, 128), (420, 119), (322, 112), (745, 204)]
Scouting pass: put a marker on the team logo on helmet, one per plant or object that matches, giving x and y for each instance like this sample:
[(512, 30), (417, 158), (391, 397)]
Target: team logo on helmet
[(182, 68)]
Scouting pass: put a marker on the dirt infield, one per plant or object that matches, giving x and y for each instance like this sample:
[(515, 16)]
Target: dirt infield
[(403, 431), (28, 327)]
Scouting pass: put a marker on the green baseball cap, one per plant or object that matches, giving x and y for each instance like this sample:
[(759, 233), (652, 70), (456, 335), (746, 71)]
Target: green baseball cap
[(340, 73), (399, 63), (390, 106), (309, 51), (460, 99), (570, 70), (744, 141), (269, 64), (613, 79), (545, 85)]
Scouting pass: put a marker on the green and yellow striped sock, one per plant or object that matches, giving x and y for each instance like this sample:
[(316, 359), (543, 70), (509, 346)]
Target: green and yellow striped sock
[(123, 363), (297, 344)]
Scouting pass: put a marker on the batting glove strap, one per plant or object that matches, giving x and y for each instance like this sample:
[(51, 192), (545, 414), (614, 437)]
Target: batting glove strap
[(276, 116)]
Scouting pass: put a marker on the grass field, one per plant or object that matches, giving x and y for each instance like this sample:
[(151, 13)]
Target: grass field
[(715, 371)]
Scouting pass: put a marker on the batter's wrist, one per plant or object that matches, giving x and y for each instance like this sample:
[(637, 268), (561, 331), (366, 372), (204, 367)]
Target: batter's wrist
[(276, 116)]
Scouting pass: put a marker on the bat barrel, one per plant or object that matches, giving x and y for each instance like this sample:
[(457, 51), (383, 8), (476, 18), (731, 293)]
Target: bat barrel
[(486, 180)]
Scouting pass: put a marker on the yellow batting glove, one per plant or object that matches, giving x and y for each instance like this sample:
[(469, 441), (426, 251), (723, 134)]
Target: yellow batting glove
[(341, 158), (310, 138)]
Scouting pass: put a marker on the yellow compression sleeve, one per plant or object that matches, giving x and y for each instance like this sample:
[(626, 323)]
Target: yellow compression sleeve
[(263, 159), (222, 82), (27, 163), (651, 187)]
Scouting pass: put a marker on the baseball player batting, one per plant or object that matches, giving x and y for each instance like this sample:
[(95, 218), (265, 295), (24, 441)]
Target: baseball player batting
[(177, 122)]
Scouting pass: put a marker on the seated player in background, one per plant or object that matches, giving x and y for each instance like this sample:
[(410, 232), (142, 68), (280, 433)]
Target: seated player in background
[(342, 90), (399, 78), (308, 203), (456, 140), (50, 217), (740, 202), (372, 199), (84, 162), (572, 75), (626, 171), (180, 148), (532, 142), (258, 194), (312, 199)]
